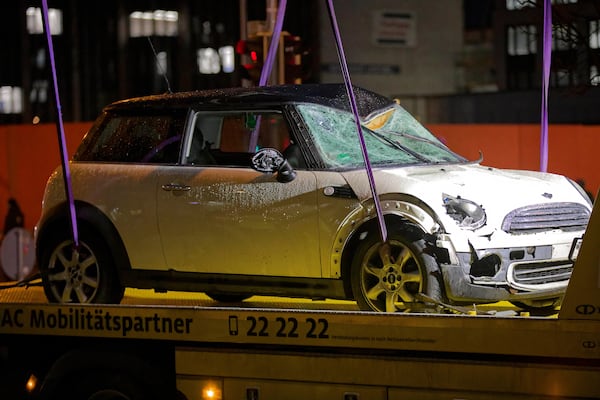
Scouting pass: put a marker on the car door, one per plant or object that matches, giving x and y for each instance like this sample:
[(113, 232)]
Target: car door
[(218, 215)]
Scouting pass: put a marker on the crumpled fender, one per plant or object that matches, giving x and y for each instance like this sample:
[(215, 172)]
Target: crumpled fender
[(395, 209)]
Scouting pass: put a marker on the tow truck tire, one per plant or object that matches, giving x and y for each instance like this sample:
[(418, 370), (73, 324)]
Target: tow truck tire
[(387, 277), (87, 275), (103, 385), (104, 375)]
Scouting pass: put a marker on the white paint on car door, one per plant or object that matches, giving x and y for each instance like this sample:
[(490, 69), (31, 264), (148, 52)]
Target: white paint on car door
[(238, 221)]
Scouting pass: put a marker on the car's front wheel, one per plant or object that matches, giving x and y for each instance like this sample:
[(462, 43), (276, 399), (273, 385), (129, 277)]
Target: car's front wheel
[(387, 277), (83, 274)]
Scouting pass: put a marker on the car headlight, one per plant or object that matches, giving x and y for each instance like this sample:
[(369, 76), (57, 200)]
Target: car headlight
[(466, 213)]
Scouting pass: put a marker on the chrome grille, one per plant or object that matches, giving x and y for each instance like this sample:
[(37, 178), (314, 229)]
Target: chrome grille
[(541, 217), (540, 273)]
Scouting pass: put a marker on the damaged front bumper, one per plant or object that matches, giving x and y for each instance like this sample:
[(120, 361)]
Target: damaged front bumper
[(516, 274), (462, 288)]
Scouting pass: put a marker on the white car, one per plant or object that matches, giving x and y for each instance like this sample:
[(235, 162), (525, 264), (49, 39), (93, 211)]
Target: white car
[(264, 191)]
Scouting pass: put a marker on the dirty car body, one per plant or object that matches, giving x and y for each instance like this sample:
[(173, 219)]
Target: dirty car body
[(248, 191)]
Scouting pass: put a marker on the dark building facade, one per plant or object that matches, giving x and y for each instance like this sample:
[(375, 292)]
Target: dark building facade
[(113, 49), (110, 50), (516, 29)]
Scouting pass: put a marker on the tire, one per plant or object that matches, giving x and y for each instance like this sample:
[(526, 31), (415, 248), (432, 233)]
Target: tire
[(102, 385), (85, 275), (84, 374), (386, 277), (228, 298)]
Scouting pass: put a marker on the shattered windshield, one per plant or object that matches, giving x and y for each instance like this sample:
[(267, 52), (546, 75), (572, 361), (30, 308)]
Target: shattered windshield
[(392, 137)]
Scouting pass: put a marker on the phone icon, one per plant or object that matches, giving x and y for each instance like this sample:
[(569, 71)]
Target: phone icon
[(233, 325)]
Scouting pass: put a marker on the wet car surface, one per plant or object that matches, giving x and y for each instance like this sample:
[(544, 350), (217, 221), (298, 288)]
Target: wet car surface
[(263, 191)]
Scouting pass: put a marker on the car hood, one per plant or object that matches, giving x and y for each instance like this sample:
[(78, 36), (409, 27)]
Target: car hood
[(497, 191)]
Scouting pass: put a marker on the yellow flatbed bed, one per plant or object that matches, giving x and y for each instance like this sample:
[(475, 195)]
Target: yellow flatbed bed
[(273, 348)]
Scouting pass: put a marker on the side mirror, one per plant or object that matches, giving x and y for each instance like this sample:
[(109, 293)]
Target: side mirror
[(270, 160)]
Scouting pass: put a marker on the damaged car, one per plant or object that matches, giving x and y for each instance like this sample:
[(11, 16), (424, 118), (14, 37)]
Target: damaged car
[(263, 191)]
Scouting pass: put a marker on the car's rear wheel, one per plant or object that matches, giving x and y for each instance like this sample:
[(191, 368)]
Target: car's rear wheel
[(85, 274), (387, 277)]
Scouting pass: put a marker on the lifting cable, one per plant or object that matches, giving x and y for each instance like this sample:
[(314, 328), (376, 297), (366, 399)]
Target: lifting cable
[(267, 68), (546, 60), (352, 99), (64, 156), (63, 153), (266, 72)]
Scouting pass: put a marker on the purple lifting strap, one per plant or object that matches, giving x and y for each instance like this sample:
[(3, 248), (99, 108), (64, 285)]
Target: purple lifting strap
[(352, 98), (268, 66), (61, 132), (547, 58)]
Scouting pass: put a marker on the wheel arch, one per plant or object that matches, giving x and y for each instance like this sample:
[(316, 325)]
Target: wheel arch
[(399, 210), (92, 218)]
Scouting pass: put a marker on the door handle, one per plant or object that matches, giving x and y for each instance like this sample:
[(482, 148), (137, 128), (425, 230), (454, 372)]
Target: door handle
[(175, 187)]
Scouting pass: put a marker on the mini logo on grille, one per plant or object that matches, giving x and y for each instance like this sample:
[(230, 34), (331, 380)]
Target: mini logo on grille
[(547, 195)]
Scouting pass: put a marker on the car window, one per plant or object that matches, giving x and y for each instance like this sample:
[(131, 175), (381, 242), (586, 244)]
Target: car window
[(333, 132), (400, 126), (231, 138), (134, 139)]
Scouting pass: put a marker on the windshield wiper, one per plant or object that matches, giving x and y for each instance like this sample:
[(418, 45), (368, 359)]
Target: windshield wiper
[(417, 138), (422, 139), (397, 145)]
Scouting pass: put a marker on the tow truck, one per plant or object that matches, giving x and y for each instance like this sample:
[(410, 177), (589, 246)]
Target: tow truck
[(185, 346)]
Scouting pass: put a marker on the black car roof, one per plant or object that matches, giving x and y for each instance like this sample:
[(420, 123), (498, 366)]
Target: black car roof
[(332, 95)]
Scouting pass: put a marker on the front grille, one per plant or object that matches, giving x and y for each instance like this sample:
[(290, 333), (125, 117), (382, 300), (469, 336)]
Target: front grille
[(541, 273), (542, 217)]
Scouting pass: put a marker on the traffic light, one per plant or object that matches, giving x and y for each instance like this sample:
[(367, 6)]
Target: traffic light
[(253, 52), (288, 62)]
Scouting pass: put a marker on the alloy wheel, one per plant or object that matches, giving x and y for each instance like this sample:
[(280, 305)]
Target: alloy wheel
[(73, 273)]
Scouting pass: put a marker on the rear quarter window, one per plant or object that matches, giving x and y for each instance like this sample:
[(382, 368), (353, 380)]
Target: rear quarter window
[(133, 139)]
